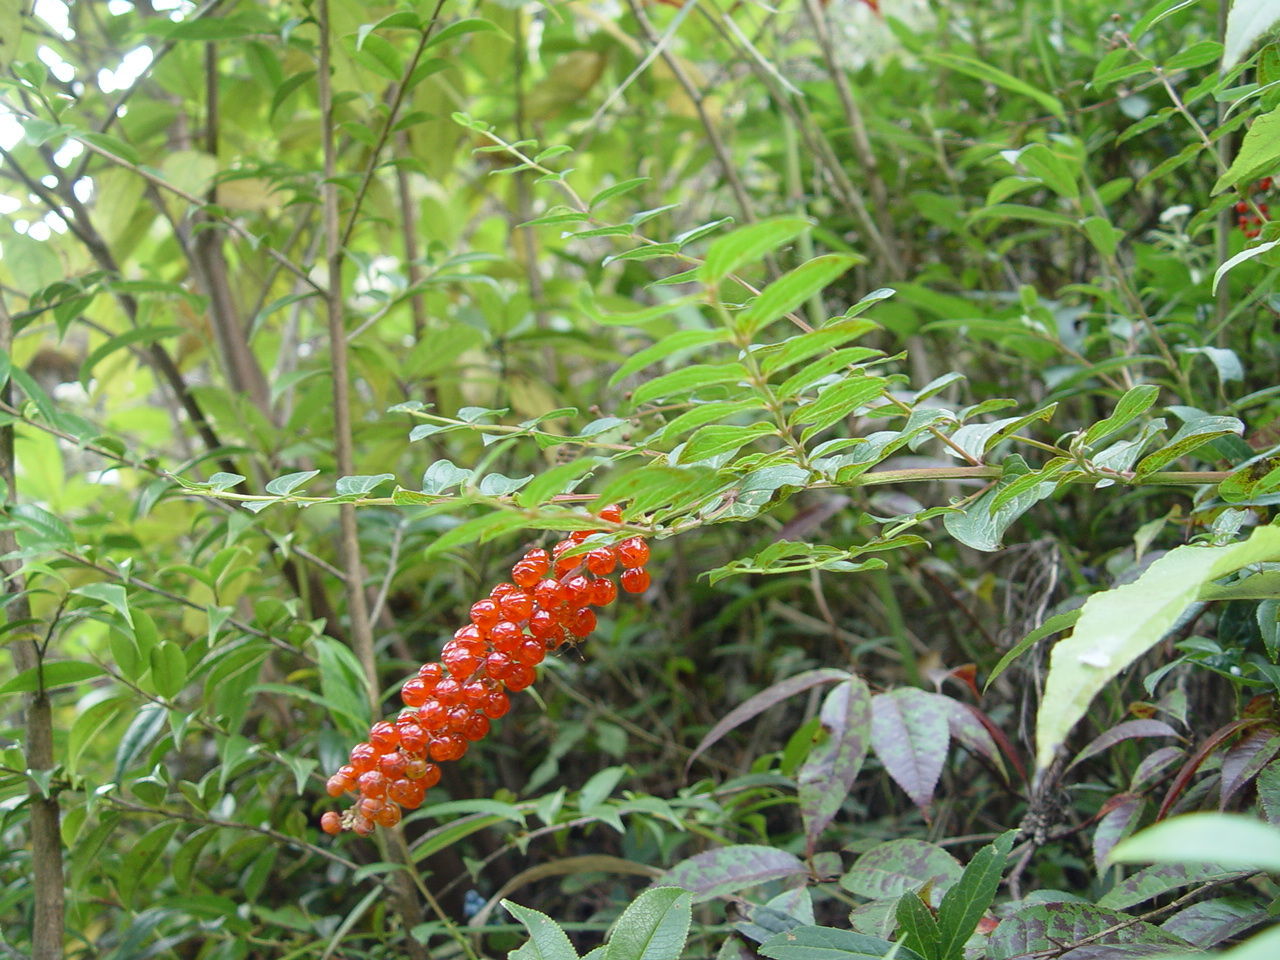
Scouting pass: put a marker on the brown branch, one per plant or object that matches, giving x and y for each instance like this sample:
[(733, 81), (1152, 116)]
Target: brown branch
[(46, 837)]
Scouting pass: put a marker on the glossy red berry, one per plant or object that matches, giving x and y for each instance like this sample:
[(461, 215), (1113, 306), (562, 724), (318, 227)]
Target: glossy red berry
[(612, 513), (601, 561), (577, 591), (388, 816), (372, 784), (516, 606), (484, 613), (634, 580), (520, 677), (362, 825), (363, 756), (531, 652), (498, 665), (391, 765), (331, 822), (476, 727), (496, 705), (581, 622), (548, 594), (336, 786), (633, 552), (414, 692), (413, 737), (603, 592)]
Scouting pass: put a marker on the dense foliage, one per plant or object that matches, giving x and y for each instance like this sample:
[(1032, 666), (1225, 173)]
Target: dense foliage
[(930, 349)]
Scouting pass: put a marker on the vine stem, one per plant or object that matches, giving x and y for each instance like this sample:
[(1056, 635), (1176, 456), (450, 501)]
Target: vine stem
[(46, 836), (361, 628)]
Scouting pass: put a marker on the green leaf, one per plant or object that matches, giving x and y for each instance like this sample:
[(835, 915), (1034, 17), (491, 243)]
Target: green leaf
[(1247, 22), (828, 943), (443, 475), (789, 352), (460, 28), (964, 904), (90, 724), (482, 528), (546, 940), (664, 348), (617, 190), (112, 595), (557, 480), (1224, 839), (1258, 155), (285, 485), (792, 289), (1045, 927), (919, 928), (360, 486), (168, 669), (718, 438), (1120, 625), (985, 72), (1055, 624), (1192, 435), (54, 673), (746, 245), (835, 402), (688, 380), (342, 685), (1136, 401), (653, 927), (982, 528)]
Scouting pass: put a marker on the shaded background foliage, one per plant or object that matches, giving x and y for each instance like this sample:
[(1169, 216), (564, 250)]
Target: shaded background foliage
[(1036, 189)]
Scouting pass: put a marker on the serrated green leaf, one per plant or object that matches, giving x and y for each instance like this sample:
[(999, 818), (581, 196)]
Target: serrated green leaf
[(546, 940), (653, 927), (964, 904)]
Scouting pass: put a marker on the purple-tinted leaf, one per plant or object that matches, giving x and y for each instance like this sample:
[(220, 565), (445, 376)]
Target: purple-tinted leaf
[(910, 735), (1153, 764), (763, 700), (1151, 882), (730, 869), (1116, 824), (875, 919), (1246, 759), (1124, 731), (1269, 792), (1209, 922), (888, 870), (831, 767), (970, 733), (1049, 927), (829, 943)]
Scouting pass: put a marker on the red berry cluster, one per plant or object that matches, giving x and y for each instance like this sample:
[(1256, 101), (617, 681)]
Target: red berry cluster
[(450, 703), (1249, 221)]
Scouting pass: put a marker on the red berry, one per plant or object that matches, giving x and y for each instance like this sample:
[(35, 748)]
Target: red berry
[(362, 825), (331, 822), (457, 718), (1264, 183), (498, 665), (548, 594), (391, 765), (432, 673), (577, 591), (448, 691), (363, 756), (384, 735), (430, 778), (372, 784), (505, 636), (612, 513), (484, 613), (474, 693), (1242, 207), (431, 716), (368, 806), (531, 652), (476, 727), (413, 738), (525, 574), (448, 747), (582, 622), (496, 705), (603, 592), (516, 606), (542, 624), (407, 793), (388, 816), (414, 692), (501, 590), (633, 552), (520, 677), (336, 786), (635, 580), (601, 561)]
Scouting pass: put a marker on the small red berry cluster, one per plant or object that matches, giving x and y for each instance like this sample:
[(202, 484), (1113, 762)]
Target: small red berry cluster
[(450, 703), (1249, 221)]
